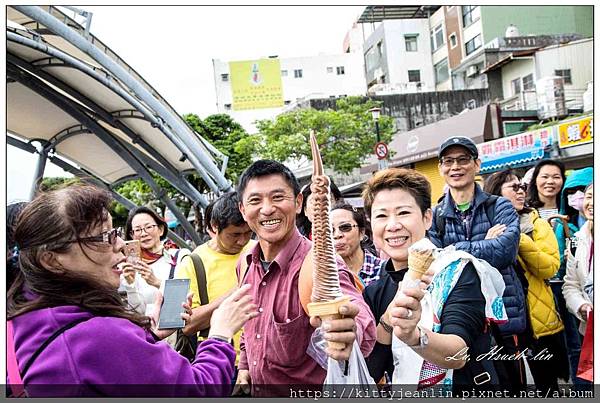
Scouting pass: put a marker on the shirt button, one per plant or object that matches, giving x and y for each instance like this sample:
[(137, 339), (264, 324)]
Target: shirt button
[(264, 283), (258, 336), (260, 309), (253, 362), (287, 320)]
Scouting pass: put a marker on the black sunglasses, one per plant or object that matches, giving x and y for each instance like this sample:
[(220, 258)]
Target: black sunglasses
[(347, 227), (516, 186)]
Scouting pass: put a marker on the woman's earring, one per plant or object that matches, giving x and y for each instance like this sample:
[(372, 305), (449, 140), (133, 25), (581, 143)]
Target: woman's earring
[(364, 238)]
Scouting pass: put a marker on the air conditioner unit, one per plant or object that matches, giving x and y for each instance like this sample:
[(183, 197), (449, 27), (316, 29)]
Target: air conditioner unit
[(472, 70)]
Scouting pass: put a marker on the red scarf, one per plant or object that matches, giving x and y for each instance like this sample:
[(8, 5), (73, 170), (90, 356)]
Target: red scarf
[(150, 257)]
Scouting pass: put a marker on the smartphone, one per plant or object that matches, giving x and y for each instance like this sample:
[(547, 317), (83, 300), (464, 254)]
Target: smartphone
[(175, 294), (133, 251)]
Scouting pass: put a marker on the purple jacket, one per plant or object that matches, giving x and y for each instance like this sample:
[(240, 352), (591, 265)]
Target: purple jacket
[(107, 356)]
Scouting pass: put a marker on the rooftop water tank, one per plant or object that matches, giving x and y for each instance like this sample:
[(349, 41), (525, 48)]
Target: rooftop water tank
[(512, 31)]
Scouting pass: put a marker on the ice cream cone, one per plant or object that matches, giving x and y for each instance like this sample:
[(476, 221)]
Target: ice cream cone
[(327, 311), (418, 263)]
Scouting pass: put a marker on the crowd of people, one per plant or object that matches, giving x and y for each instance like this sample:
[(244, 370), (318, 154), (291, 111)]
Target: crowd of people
[(510, 286)]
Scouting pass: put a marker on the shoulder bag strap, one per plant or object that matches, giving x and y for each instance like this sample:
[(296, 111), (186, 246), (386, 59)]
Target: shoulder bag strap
[(12, 366), (202, 284), (173, 264), (243, 270), (50, 340)]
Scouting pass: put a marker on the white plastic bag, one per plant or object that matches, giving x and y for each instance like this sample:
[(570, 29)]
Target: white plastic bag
[(351, 372)]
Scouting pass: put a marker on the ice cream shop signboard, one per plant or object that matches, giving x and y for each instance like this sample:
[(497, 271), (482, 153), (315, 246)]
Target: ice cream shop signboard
[(515, 150)]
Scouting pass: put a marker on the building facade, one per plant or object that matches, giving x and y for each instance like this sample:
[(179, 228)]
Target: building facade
[(302, 78)]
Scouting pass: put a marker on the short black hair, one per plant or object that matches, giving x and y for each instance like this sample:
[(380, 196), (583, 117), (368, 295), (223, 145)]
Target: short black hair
[(226, 211), (208, 215), (264, 168), (533, 197), (145, 210)]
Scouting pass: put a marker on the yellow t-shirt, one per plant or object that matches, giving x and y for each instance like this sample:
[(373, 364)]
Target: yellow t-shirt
[(220, 277)]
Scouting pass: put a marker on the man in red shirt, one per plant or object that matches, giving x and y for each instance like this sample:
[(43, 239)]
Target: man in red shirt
[(274, 344)]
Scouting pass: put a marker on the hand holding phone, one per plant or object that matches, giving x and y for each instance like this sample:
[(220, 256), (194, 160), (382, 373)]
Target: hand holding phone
[(175, 294), (133, 251)]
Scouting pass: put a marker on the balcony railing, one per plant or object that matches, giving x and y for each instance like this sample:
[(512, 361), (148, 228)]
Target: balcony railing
[(527, 100)]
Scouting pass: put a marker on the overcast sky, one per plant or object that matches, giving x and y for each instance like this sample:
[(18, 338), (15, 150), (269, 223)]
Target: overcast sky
[(172, 47)]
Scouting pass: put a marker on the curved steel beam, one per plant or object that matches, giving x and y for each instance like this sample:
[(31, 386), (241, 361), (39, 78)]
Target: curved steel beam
[(196, 156), (174, 176), (89, 177), (64, 103), (156, 121)]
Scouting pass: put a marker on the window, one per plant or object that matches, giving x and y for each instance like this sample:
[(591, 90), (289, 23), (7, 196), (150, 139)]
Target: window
[(472, 45), (516, 86), (441, 71), (224, 77), (414, 76), (298, 73), (340, 70), (470, 14), (528, 84), (283, 73), (411, 42), (437, 38), (453, 41), (227, 106), (380, 49), (371, 59), (330, 69), (565, 74)]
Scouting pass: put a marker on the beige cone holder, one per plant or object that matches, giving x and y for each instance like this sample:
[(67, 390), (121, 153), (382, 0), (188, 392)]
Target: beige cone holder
[(329, 310)]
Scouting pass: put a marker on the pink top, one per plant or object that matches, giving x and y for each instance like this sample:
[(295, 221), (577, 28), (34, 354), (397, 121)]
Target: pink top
[(274, 344)]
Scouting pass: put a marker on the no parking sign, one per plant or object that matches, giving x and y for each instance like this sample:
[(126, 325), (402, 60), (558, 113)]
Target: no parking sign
[(381, 150)]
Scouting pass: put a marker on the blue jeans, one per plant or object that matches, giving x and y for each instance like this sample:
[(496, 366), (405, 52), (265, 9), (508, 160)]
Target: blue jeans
[(572, 335)]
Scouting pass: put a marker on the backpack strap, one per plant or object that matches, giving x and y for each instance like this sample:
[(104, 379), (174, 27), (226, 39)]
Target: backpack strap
[(202, 284), (174, 264), (50, 340), (439, 222), (243, 270)]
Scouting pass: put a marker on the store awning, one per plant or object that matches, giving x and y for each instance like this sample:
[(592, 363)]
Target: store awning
[(423, 142), (512, 160)]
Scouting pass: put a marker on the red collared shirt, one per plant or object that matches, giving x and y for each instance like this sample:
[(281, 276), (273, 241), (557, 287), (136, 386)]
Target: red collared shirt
[(273, 346)]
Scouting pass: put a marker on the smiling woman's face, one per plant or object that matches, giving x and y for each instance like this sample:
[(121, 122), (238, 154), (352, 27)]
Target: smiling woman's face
[(517, 198), (397, 223)]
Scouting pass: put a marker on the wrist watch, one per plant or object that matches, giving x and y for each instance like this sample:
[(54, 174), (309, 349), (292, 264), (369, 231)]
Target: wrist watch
[(423, 339), (221, 338)]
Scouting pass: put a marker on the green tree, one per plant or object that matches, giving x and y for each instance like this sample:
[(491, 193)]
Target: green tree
[(346, 134), (225, 134)]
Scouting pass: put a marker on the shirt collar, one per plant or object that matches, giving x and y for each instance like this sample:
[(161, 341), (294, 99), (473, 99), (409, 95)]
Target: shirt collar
[(283, 258)]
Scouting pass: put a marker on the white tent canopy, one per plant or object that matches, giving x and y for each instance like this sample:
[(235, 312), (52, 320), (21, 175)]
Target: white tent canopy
[(76, 100)]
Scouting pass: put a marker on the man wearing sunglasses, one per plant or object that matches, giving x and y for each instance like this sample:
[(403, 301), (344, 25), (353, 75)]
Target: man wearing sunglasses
[(487, 227)]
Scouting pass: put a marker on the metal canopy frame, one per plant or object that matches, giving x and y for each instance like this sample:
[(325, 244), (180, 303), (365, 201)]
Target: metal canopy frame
[(90, 178), (36, 60), (381, 13)]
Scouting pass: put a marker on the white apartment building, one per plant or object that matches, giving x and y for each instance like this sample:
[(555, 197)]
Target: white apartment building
[(302, 78), (398, 57)]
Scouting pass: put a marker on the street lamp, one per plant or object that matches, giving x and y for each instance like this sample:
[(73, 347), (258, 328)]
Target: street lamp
[(382, 160)]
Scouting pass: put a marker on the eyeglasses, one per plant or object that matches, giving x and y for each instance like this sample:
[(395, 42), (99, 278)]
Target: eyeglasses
[(147, 229), (461, 161), (516, 186), (106, 237), (347, 227)]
